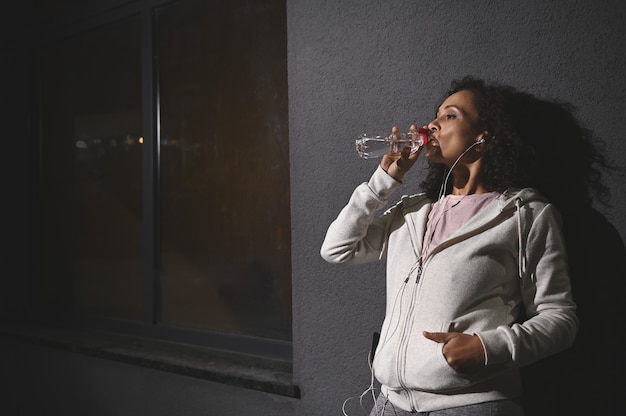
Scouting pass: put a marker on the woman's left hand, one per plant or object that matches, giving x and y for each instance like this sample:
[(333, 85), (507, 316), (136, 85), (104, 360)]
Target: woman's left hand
[(463, 352)]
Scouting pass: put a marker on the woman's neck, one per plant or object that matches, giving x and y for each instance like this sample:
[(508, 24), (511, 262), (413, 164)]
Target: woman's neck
[(467, 180)]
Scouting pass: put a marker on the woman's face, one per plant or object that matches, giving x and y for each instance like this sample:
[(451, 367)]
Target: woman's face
[(454, 129)]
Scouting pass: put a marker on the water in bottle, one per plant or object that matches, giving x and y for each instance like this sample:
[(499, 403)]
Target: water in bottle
[(370, 147)]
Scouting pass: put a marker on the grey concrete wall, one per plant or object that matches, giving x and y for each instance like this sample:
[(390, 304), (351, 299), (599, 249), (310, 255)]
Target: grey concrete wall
[(355, 66)]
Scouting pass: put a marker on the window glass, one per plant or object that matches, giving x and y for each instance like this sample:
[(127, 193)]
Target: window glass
[(91, 172), (224, 167)]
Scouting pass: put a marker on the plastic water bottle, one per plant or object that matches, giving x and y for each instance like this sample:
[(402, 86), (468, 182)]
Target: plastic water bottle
[(371, 147)]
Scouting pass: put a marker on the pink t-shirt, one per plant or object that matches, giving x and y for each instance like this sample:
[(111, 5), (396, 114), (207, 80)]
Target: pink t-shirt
[(449, 213)]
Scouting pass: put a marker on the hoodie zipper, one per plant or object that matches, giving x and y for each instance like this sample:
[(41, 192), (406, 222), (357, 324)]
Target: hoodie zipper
[(404, 340)]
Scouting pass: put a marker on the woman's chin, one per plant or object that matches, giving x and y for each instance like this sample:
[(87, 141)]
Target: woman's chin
[(432, 153)]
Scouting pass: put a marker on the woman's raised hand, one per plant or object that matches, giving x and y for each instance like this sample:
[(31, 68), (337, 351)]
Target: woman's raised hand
[(397, 164)]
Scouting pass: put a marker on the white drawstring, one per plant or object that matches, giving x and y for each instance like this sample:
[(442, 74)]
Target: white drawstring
[(521, 264)]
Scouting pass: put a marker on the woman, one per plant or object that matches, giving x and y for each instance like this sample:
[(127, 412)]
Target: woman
[(477, 273)]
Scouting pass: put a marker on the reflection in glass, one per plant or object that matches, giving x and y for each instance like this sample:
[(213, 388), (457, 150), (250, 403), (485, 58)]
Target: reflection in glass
[(91, 172), (224, 168)]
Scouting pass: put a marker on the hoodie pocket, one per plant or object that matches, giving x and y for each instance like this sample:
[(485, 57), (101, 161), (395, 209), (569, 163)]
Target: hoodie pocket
[(414, 362)]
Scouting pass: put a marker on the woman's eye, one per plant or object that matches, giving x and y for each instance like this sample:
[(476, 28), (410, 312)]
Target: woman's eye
[(450, 116)]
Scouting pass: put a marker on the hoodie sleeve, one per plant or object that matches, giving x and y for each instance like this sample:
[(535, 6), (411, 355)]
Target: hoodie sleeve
[(355, 236), (551, 323)]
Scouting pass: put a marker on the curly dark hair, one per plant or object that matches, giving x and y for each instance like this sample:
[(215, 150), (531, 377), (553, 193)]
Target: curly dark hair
[(535, 143)]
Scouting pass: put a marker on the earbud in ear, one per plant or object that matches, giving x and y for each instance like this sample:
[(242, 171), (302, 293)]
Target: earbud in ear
[(485, 138)]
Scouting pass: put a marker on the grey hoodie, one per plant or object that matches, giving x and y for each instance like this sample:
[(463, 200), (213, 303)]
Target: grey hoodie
[(505, 263)]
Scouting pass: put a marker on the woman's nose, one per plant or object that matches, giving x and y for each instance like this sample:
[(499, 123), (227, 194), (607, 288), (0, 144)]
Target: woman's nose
[(433, 126)]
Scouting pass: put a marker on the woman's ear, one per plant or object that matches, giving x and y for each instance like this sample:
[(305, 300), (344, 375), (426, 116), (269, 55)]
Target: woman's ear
[(483, 137), (484, 142)]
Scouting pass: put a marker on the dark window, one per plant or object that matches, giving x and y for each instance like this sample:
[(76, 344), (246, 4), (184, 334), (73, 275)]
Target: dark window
[(224, 167), (216, 189), (92, 172)]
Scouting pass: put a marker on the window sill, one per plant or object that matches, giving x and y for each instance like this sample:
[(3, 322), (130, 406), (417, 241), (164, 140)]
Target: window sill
[(252, 372)]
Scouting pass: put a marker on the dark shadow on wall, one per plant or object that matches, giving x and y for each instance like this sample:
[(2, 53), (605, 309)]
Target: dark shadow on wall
[(589, 377), (570, 169)]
